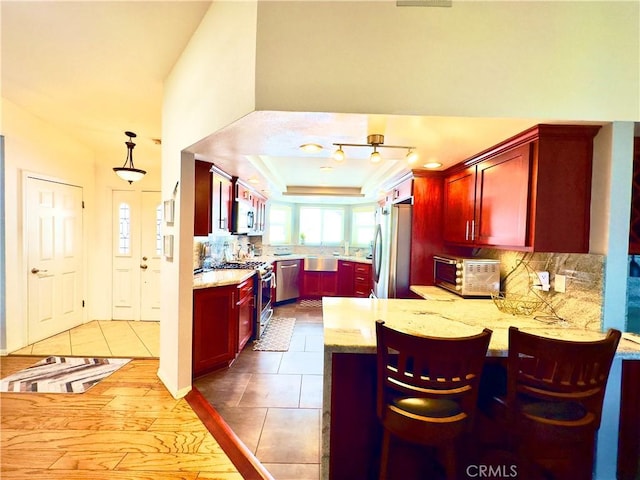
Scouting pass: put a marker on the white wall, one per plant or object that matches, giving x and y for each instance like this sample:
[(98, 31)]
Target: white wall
[(210, 86), (563, 60), (34, 146)]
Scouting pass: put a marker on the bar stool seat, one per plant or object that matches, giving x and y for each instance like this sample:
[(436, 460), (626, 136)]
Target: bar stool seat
[(427, 390), (553, 403)]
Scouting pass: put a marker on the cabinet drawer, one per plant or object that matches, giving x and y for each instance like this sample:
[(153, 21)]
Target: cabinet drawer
[(362, 270), (245, 289)]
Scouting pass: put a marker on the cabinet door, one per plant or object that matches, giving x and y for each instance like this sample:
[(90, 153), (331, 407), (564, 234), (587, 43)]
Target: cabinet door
[(346, 276), (221, 204), (311, 284), (214, 328), (362, 280), (245, 311), (202, 193), (459, 199), (502, 193), (328, 284)]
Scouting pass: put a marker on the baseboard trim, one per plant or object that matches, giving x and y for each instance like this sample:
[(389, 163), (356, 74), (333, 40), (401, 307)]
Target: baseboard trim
[(247, 464), (183, 392)]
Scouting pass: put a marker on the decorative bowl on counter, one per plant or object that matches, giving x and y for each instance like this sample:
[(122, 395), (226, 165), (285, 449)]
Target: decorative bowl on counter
[(516, 304)]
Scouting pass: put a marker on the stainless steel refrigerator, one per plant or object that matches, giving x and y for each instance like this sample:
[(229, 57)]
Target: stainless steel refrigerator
[(392, 251)]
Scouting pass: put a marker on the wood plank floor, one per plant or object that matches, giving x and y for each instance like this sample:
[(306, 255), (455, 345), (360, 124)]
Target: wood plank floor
[(126, 427)]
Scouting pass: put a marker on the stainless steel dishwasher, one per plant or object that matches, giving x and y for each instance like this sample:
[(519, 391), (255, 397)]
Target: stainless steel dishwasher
[(287, 278)]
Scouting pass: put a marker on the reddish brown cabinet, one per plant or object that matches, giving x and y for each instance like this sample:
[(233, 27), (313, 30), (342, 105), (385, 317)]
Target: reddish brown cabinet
[(245, 308), (346, 277), (215, 334), (202, 192), (459, 207), (319, 284), (222, 324), (362, 284), (531, 192), (502, 192)]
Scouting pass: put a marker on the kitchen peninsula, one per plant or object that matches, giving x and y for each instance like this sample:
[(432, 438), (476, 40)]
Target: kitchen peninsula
[(350, 429)]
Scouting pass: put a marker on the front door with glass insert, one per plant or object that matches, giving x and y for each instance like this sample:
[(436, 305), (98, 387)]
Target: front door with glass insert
[(137, 248)]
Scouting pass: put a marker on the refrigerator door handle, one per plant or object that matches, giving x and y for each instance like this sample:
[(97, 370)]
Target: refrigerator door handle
[(377, 254)]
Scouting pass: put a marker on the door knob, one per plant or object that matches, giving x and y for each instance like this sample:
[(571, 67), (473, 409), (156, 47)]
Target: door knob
[(37, 270), (143, 266), (144, 258)]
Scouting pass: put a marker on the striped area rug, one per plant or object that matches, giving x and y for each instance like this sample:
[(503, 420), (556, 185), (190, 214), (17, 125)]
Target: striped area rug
[(62, 375), (277, 335), (311, 303)]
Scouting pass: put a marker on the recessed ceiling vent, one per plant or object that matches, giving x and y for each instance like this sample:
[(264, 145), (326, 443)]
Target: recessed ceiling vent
[(423, 3)]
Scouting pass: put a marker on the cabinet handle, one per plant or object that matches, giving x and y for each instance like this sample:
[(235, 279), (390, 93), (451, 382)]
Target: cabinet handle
[(473, 230), (466, 230)]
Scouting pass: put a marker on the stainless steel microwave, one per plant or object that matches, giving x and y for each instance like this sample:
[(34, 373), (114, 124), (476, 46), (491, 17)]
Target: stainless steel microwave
[(467, 277), (242, 217)]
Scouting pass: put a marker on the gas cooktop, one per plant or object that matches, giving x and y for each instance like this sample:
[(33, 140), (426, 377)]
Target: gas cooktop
[(250, 265)]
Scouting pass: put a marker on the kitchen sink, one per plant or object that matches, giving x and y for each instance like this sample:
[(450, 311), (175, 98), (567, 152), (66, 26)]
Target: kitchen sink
[(321, 264)]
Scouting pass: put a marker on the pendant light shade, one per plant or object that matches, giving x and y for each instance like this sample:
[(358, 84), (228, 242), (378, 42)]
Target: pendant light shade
[(128, 171)]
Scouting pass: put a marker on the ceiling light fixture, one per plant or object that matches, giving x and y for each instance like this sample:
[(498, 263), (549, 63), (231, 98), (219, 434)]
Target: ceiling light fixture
[(376, 141), (432, 165), (128, 171), (311, 147), (338, 155)]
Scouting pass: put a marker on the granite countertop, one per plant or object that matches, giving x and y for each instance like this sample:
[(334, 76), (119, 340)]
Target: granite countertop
[(349, 323), (221, 278), (301, 256)]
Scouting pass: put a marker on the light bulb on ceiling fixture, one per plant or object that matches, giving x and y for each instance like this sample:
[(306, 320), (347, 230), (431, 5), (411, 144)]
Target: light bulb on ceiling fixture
[(128, 171), (412, 156), (375, 156), (338, 155)]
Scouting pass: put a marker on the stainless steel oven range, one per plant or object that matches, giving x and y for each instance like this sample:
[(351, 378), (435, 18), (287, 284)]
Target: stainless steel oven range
[(264, 308)]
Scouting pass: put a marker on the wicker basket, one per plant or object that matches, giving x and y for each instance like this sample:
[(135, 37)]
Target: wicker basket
[(516, 304)]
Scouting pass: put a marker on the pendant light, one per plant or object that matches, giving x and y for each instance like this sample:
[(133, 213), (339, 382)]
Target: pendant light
[(128, 171)]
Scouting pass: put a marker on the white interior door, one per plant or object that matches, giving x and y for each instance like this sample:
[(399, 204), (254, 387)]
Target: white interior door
[(136, 258), (151, 251), (54, 243)]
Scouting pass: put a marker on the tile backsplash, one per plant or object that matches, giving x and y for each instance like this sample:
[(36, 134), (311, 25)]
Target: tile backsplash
[(580, 305)]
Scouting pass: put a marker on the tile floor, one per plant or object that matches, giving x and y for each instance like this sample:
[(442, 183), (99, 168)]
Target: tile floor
[(112, 338), (273, 400)]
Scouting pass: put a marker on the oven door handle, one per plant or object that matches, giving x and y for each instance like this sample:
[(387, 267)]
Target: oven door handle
[(448, 261), (271, 277)]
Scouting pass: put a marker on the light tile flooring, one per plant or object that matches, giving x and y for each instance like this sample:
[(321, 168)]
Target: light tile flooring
[(99, 338), (273, 400)]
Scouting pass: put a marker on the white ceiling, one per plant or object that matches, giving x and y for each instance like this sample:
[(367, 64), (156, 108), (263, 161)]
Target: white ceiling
[(95, 69)]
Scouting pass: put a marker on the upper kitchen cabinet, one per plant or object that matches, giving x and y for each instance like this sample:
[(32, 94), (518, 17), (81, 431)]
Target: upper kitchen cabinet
[(634, 230), (202, 191), (531, 192), (221, 202), (260, 209)]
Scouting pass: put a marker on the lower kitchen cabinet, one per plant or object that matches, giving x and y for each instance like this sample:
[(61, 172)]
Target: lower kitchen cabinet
[(319, 284), (214, 335), (346, 276), (222, 324), (246, 310), (354, 279), (362, 285)]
